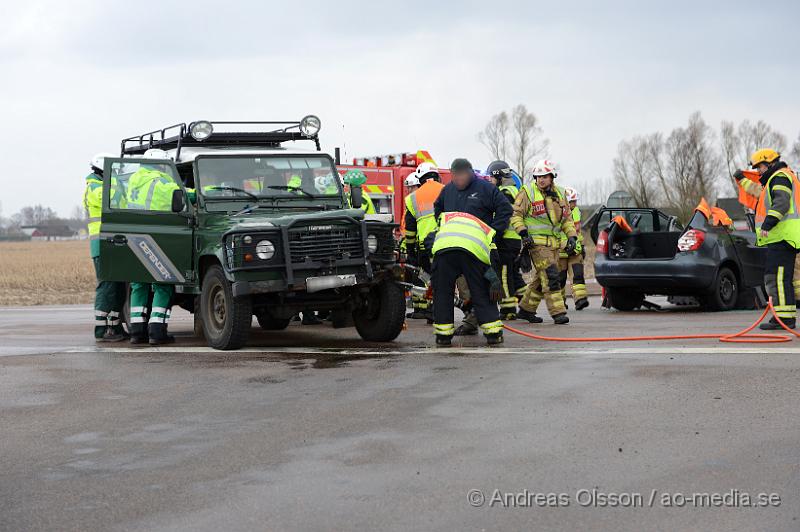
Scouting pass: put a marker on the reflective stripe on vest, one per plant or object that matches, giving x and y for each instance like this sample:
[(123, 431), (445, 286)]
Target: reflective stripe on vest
[(788, 228), (144, 190), (510, 234), (420, 204), (459, 230), (539, 222)]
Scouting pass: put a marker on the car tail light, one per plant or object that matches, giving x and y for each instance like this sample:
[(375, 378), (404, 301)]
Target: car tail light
[(691, 240), (602, 242)]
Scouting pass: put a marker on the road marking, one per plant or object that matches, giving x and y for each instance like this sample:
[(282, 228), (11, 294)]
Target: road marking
[(478, 350)]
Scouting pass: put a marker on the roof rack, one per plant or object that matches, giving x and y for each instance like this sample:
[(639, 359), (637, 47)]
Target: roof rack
[(180, 135)]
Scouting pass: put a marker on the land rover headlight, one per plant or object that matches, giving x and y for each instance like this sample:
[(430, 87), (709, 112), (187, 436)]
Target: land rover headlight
[(265, 250), (201, 130), (372, 243), (309, 125)]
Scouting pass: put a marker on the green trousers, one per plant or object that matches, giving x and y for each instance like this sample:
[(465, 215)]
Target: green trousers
[(109, 298), (159, 311)]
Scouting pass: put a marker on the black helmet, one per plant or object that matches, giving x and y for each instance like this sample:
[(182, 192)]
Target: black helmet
[(499, 170)]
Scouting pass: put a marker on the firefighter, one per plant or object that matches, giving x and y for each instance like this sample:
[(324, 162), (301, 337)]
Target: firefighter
[(109, 296), (150, 188), (418, 223), (357, 178), (510, 244), (752, 188), (469, 194), (572, 265), (540, 213), (464, 246), (778, 229)]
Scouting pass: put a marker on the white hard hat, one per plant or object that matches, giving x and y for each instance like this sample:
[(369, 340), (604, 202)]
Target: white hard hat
[(544, 167), (571, 194), (425, 168), (411, 180), (99, 160), (155, 153), (323, 181)]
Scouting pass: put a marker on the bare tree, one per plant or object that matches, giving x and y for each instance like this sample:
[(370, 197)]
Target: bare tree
[(516, 138), (675, 171), (739, 142), (495, 135), (78, 214), (795, 153), (36, 215), (528, 140), (632, 171), (597, 191)]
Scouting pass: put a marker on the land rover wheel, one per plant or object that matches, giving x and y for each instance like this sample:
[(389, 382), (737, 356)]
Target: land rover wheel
[(382, 316), (226, 320), (270, 323)]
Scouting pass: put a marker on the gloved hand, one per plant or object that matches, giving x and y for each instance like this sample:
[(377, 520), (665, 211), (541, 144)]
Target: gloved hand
[(572, 243), (495, 288), (525, 262), (428, 243), (738, 175), (527, 241), (412, 256)]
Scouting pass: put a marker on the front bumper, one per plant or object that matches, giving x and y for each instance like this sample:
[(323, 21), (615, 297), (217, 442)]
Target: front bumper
[(686, 273)]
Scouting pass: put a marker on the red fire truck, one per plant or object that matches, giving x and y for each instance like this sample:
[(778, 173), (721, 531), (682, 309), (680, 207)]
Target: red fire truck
[(385, 177)]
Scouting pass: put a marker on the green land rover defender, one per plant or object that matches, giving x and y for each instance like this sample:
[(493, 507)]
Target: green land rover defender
[(252, 227)]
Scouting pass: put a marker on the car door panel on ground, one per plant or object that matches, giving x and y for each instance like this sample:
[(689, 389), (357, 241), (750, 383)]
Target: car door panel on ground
[(141, 239)]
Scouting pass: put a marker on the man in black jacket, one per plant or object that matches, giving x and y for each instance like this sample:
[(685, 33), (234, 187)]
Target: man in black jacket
[(466, 193)]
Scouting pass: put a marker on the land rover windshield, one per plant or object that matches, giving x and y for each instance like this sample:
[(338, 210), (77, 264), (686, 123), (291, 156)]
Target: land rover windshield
[(228, 178)]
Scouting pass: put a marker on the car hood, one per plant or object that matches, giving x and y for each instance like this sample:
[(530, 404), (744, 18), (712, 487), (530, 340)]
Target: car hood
[(255, 222)]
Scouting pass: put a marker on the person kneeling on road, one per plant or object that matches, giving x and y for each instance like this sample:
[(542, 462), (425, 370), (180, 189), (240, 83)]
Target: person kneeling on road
[(464, 245)]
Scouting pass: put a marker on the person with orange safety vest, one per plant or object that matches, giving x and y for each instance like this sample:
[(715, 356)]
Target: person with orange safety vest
[(419, 222), (778, 229)]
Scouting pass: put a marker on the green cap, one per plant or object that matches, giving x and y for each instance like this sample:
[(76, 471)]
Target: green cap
[(355, 177)]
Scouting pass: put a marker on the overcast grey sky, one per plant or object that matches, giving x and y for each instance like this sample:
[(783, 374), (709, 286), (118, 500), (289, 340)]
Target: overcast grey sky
[(384, 77)]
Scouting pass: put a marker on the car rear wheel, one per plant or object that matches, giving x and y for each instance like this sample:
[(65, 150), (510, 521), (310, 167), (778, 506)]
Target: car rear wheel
[(226, 320), (625, 300), (724, 292), (383, 316)]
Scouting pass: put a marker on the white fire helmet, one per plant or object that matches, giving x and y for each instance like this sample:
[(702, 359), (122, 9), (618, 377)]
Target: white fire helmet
[(411, 180), (572, 194), (544, 167)]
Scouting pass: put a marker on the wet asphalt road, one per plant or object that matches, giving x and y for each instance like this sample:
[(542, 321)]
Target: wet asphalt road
[(309, 429)]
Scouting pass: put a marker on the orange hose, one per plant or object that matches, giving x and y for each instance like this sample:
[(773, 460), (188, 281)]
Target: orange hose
[(739, 337)]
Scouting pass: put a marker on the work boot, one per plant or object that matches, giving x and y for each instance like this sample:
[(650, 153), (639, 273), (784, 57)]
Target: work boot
[(561, 319), (99, 332), (443, 340), (529, 316), (465, 329), (508, 314), (310, 318), (139, 333), (581, 303), (494, 339), (158, 334), (112, 336), (419, 314), (773, 325)]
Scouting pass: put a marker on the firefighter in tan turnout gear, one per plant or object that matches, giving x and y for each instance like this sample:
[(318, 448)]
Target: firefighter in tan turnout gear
[(541, 213)]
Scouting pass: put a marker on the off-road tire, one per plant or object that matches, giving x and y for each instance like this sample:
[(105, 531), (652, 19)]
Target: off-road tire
[(382, 318), (226, 321)]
